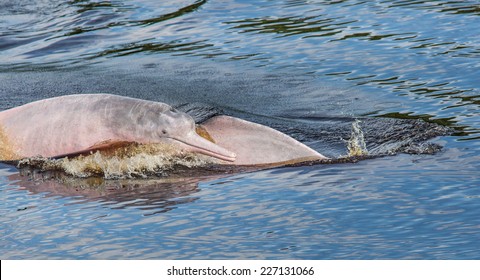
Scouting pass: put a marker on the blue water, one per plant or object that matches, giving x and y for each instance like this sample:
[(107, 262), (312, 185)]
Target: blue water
[(293, 60)]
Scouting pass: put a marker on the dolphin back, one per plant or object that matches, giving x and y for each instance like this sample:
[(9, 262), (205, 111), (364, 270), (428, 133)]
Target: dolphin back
[(66, 124)]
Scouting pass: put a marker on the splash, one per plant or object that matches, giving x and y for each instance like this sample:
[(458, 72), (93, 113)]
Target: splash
[(356, 144), (133, 161), (7, 150)]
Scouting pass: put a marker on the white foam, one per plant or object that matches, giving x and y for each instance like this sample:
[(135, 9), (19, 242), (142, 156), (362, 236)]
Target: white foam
[(135, 161)]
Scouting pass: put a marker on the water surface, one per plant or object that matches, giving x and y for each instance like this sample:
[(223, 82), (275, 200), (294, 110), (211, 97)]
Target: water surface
[(305, 67)]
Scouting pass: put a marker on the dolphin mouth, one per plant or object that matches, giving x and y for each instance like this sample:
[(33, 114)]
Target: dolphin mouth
[(196, 143)]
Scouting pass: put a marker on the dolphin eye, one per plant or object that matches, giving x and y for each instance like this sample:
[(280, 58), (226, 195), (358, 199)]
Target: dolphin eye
[(164, 131)]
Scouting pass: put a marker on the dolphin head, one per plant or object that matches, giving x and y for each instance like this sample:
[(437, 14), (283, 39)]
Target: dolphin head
[(180, 127)]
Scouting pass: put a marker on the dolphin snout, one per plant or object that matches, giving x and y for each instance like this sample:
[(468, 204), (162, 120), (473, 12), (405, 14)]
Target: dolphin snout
[(196, 143)]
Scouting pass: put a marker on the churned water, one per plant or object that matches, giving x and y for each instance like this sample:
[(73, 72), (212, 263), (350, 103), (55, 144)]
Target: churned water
[(408, 70)]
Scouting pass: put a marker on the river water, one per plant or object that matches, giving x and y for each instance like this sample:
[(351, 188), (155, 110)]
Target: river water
[(308, 68)]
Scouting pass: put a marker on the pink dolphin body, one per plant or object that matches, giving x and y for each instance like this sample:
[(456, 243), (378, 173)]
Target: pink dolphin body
[(76, 124)]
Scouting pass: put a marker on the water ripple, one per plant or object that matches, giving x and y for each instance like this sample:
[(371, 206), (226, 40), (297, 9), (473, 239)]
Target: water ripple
[(265, 60)]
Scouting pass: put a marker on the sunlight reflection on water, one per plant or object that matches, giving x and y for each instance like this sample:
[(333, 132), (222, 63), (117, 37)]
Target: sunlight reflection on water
[(294, 62)]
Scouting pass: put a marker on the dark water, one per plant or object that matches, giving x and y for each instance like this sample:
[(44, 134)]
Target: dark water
[(305, 67)]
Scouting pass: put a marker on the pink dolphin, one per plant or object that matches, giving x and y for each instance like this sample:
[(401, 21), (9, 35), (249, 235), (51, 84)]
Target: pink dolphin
[(75, 124)]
